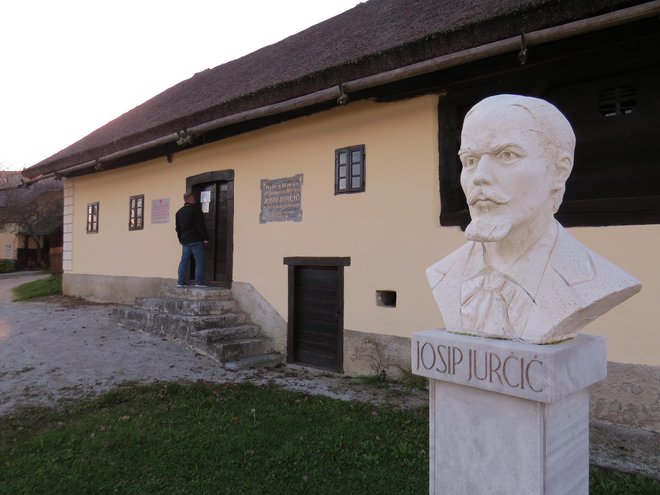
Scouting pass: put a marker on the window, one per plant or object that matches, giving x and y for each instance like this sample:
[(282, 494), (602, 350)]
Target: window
[(349, 169), (92, 218), (136, 212)]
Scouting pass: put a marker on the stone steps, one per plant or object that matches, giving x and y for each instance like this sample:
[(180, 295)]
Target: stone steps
[(172, 305), (210, 335), (208, 320)]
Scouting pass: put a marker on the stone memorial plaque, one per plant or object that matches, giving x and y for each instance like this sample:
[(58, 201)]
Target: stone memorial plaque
[(281, 199), (160, 210)]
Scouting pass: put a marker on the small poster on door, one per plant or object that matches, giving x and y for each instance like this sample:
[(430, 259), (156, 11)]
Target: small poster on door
[(205, 207), (205, 197)]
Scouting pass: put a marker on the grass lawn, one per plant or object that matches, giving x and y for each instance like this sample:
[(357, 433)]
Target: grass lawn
[(195, 439), (39, 288), (236, 439)]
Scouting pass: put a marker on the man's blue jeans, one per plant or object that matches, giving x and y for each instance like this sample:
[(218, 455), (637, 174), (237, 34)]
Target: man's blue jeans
[(196, 251)]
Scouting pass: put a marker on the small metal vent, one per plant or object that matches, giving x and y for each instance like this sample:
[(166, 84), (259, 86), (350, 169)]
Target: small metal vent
[(618, 101)]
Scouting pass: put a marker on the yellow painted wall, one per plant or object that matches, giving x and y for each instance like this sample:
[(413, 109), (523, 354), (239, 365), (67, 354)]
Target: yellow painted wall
[(114, 250), (31, 243), (390, 232), (8, 244), (632, 328)]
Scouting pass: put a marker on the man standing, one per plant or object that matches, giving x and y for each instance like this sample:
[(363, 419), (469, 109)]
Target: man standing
[(191, 231), (521, 275)]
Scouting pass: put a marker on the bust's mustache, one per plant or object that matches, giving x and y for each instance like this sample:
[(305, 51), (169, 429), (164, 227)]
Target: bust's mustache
[(487, 195)]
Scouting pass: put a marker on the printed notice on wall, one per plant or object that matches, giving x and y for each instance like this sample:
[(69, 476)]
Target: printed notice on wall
[(160, 210), (281, 199)]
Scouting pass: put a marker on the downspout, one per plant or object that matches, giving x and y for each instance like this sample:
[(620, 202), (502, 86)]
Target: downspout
[(339, 93)]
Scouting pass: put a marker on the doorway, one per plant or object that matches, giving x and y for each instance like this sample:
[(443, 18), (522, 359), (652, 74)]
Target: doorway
[(214, 191), (316, 312)]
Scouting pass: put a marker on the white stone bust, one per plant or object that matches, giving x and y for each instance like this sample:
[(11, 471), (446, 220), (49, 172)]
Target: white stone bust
[(521, 276)]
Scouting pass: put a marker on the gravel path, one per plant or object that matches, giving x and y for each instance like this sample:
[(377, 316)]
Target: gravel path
[(64, 348)]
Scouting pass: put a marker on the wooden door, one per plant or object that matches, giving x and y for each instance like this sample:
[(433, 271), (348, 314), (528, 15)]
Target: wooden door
[(225, 233), (317, 306), (216, 200)]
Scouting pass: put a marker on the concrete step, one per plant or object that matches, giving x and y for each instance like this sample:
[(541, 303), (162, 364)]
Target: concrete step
[(208, 320), (164, 323), (210, 335), (189, 307), (255, 361), (192, 292), (131, 317), (233, 350), (195, 323)]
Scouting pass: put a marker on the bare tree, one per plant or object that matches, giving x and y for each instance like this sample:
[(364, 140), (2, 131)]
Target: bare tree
[(35, 211)]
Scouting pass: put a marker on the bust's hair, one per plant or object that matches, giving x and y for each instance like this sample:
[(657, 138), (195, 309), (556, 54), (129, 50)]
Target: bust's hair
[(555, 130), (554, 127), (187, 196)]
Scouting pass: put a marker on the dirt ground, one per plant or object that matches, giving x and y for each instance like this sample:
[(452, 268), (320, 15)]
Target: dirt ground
[(60, 348)]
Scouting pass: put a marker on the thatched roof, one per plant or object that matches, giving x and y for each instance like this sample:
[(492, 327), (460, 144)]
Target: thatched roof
[(374, 37)]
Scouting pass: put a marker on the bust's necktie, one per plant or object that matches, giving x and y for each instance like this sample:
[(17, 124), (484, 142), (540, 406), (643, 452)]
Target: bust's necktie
[(493, 304)]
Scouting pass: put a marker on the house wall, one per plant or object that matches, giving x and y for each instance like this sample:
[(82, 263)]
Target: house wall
[(8, 244), (391, 231), (10, 241), (31, 243)]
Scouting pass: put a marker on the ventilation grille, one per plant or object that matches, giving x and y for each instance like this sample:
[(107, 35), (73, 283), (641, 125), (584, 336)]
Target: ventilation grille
[(618, 101)]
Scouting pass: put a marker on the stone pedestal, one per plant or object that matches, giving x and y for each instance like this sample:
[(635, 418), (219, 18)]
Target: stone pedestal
[(507, 417)]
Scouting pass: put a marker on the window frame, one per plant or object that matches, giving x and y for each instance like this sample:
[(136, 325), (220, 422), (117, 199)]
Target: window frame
[(349, 176), (93, 217), (136, 212)]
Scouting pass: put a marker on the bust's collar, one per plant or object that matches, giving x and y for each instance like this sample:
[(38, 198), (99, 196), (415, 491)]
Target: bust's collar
[(527, 271)]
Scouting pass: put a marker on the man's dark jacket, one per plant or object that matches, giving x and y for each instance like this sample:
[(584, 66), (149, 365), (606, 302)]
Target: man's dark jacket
[(190, 225)]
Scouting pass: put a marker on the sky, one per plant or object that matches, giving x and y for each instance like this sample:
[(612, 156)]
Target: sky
[(67, 67)]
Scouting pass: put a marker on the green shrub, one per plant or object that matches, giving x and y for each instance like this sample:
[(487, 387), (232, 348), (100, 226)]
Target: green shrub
[(7, 265)]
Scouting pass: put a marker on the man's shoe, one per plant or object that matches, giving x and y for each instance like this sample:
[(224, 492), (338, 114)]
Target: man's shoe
[(179, 286)]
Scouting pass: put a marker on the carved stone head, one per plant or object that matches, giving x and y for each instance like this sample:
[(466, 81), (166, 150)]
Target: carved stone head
[(517, 153)]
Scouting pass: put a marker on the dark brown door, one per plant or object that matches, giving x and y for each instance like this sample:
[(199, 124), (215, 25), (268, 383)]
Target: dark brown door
[(317, 316), (217, 201)]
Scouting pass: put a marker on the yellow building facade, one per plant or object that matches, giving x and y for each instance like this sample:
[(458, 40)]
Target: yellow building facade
[(391, 231)]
